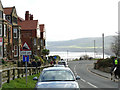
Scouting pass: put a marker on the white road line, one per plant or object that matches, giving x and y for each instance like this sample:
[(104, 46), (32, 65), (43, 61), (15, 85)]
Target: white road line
[(75, 70), (92, 85), (82, 80)]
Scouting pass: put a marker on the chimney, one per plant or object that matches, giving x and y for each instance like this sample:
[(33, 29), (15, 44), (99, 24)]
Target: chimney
[(27, 15), (31, 17)]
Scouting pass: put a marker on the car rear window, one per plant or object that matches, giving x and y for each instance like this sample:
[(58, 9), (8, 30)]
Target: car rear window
[(57, 75)]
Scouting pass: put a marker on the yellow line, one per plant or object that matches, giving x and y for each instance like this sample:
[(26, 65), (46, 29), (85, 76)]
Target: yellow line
[(94, 73)]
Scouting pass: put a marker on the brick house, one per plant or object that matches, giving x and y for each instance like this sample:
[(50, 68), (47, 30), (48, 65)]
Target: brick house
[(13, 34), (42, 38), (1, 30), (30, 33)]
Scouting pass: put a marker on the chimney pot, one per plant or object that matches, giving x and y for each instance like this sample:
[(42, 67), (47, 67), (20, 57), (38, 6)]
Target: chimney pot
[(31, 17), (27, 15)]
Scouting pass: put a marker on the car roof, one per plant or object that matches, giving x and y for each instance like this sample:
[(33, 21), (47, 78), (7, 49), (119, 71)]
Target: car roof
[(57, 68), (62, 61)]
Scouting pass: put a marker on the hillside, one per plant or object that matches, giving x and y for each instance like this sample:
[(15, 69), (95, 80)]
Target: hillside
[(81, 44)]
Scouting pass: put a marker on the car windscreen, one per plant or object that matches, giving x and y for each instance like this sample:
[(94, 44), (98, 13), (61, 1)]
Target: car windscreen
[(57, 75)]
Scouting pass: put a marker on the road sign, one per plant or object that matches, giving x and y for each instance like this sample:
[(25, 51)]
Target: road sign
[(55, 57), (25, 47), (25, 50), (25, 53), (25, 58)]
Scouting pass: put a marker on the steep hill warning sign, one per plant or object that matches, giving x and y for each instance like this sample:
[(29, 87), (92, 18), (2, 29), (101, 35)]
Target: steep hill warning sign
[(25, 47), (25, 50)]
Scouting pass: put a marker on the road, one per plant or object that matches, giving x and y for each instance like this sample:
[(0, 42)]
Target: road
[(89, 79)]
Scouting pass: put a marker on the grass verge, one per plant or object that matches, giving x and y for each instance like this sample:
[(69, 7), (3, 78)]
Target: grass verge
[(21, 82)]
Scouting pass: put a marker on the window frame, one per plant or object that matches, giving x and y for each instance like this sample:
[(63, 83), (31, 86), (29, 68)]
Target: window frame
[(5, 30), (15, 31), (15, 49), (1, 29)]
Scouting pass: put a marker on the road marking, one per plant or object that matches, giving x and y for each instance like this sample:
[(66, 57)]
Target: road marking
[(75, 70), (95, 73), (82, 80), (92, 85)]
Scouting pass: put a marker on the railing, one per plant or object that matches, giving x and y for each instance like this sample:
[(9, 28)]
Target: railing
[(11, 73)]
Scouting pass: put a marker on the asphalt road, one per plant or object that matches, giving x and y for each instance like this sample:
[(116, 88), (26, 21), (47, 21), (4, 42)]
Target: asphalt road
[(89, 79)]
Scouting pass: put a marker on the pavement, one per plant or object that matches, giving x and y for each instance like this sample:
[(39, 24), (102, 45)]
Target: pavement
[(98, 72)]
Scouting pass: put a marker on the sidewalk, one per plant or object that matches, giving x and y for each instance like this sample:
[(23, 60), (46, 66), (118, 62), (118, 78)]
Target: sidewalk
[(98, 72)]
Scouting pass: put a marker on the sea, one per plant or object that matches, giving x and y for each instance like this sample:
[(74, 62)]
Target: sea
[(77, 55)]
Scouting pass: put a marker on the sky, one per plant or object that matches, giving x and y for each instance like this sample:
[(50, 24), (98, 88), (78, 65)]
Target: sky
[(71, 19)]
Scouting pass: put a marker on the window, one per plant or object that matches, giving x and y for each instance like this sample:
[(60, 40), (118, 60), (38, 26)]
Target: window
[(8, 18), (34, 41), (41, 42), (15, 33), (5, 30), (15, 20), (1, 14), (0, 29), (1, 52), (9, 32), (15, 51)]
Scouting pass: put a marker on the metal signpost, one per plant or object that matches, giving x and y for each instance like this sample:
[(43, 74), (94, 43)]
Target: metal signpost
[(25, 51)]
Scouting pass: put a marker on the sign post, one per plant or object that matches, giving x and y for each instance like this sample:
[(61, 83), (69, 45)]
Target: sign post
[(26, 68), (25, 51)]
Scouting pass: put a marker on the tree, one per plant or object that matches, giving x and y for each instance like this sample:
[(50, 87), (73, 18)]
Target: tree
[(45, 52), (115, 46)]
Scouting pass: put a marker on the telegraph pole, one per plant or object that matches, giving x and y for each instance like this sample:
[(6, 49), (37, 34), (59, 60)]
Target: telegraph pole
[(67, 55), (103, 44), (94, 49)]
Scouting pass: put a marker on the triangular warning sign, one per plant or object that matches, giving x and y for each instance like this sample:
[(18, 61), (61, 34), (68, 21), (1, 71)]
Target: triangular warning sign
[(25, 47)]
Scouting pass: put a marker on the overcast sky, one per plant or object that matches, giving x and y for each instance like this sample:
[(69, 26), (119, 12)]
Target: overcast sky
[(71, 19)]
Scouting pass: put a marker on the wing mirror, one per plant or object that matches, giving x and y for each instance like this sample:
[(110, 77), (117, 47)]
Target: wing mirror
[(35, 78), (78, 78)]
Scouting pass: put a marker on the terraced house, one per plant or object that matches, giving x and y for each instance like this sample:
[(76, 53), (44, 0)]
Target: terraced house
[(30, 33), (11, 34), (1, 30), (15, 31)]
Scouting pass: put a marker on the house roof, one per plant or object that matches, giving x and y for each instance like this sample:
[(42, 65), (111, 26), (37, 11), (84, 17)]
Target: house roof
[(28, 24), (8, 10), (20, 19)]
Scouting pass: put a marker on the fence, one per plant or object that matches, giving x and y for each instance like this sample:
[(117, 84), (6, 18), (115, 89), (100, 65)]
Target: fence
[(11, 73)]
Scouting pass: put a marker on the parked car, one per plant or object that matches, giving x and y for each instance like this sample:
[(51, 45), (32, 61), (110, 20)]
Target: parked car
[(58, 65), (63, 63), (60, 77)]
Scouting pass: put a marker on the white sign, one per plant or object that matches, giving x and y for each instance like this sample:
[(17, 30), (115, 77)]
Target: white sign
[(25, 53)]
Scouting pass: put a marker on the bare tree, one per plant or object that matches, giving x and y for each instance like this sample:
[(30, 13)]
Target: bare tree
[(115, 46)]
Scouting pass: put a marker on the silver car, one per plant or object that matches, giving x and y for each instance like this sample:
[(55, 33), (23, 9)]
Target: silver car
[(57, 77), (63, 63)]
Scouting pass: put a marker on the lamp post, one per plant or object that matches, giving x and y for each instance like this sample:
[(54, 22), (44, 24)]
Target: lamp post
[(94, 49)]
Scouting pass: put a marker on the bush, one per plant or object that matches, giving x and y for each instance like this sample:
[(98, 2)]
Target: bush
[(3, 61), (105, 63)]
